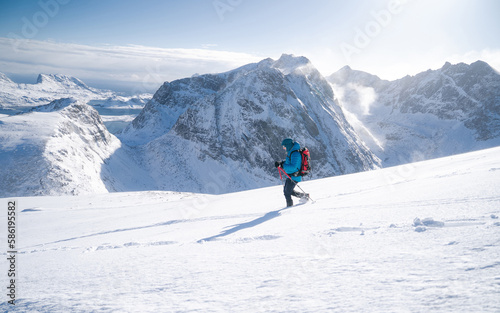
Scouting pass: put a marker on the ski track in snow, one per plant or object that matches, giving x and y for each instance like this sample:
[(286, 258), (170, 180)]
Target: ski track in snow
[(416, 238)]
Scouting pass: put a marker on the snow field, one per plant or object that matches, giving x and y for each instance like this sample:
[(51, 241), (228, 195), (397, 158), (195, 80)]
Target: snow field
[(357, 248)]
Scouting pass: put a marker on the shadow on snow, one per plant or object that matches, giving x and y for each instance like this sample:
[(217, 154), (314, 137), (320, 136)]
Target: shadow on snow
[(267, 217)]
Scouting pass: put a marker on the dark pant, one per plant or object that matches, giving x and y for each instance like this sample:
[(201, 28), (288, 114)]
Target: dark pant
[(289, 192)]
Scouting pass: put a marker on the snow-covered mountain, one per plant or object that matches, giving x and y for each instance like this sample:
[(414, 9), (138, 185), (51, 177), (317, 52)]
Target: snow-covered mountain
[(50, 87), (415, 238), (222, 132), (47, 88), (218, 133), (61, 82), (4, 80), (436, 113), (62, 148), (212, 133)]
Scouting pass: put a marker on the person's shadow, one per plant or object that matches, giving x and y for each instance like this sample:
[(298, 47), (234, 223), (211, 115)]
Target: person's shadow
[(238, 227)]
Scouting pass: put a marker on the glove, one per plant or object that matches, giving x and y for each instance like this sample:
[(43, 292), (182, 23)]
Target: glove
[(278, 164)]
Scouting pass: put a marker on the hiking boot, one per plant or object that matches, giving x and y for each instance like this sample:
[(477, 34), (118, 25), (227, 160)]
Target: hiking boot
[(303, 195)]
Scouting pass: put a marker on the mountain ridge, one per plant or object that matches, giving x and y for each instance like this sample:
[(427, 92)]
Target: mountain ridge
[(441, 112), (63, 81), (49, 87)]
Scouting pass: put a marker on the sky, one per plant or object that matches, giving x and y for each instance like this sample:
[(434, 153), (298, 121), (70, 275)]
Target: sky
[(134, 46)]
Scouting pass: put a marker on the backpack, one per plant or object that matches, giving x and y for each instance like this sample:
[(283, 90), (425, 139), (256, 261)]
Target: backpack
[(305, 164)]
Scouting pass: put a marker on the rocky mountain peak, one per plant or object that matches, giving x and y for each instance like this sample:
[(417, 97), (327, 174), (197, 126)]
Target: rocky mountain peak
[(477, 69), (61, 82), (347, 75), (482, 68), (5, 79), (288, 63), (446, 66), (56, 105)]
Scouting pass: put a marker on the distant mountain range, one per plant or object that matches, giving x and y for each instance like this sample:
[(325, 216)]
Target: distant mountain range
[(218, 133), (436, 113), (17, 97)]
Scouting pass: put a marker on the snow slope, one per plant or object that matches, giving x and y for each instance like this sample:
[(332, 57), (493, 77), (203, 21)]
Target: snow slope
[(422, 237)]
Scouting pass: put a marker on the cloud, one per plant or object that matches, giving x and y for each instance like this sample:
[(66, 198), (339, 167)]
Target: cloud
[(209, 45), (356, 98), (138, 67)]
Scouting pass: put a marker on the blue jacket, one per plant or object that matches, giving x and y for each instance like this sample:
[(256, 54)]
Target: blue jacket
[(293, 162)]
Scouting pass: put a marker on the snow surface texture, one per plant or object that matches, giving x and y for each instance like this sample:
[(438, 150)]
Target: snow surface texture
[(423, 237), (452, 110)]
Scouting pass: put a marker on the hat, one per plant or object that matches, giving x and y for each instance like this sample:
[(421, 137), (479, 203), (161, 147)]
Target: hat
[(287, 143)]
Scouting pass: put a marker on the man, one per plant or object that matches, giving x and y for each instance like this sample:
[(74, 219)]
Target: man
[(291, 166)]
